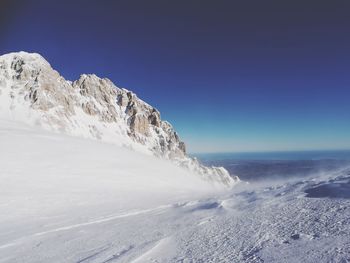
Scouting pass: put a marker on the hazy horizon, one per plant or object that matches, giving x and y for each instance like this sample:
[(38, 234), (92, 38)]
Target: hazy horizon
[(273, 151)]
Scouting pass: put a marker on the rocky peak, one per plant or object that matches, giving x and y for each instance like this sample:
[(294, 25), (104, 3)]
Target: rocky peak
[(32, 92)]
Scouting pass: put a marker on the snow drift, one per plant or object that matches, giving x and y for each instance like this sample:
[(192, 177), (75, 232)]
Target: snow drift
[(53, 184)]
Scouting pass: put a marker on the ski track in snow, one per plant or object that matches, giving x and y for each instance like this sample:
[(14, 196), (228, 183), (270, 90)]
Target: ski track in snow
[(119, 216), (93, 222)]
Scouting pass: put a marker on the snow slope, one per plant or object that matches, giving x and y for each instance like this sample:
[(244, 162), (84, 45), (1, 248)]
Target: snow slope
[(66, 199), (52, 183)]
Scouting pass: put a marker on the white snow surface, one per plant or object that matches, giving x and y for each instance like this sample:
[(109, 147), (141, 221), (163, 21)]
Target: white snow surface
[(68, 199)]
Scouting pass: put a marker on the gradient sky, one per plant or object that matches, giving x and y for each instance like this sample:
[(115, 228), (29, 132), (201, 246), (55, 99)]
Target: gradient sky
[(229, 75)]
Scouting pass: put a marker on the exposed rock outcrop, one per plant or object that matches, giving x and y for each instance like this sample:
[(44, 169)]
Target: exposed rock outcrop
[(32, 92)]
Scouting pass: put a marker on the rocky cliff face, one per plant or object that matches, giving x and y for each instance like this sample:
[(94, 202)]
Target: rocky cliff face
[(34, 93)]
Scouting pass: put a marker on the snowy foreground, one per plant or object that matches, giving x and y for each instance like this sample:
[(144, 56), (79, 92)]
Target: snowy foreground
[(65, 199)]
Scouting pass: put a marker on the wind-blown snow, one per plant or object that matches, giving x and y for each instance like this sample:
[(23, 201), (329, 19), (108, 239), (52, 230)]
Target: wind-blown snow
[(49, 181), (65, 199)]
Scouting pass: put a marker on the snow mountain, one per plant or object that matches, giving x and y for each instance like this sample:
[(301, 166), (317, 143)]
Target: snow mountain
[(32, 92), (72, 191)]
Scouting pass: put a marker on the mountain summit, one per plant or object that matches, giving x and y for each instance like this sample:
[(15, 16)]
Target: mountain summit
[(91, 107)]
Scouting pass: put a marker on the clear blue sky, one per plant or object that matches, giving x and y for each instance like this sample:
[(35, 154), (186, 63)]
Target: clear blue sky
[(230, 75)]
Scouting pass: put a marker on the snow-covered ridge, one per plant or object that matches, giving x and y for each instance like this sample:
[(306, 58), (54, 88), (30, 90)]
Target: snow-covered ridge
[(91, 107)]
